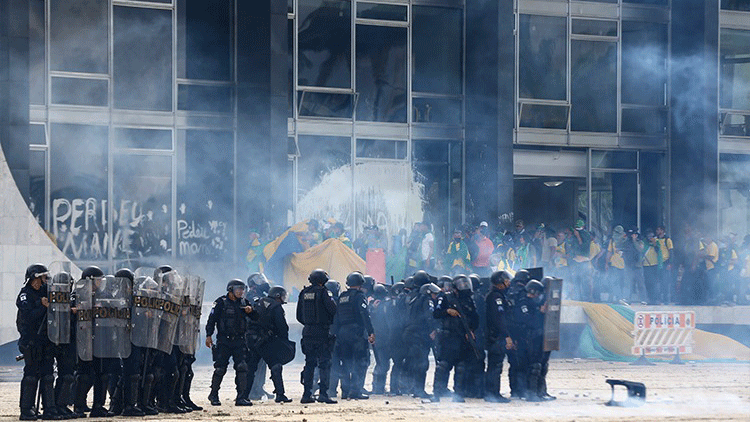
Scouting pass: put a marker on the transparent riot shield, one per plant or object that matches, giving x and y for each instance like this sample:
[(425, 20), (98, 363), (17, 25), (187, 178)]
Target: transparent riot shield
[(112, 296), (57, 267), (146, 311), (172, 285), (189, 331), (553, 295), (58, 312), (84, 319)]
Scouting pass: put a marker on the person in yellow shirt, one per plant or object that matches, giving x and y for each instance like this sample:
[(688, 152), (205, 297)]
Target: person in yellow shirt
[(709, 252), (652, 261), (665, 273), (619, 289)]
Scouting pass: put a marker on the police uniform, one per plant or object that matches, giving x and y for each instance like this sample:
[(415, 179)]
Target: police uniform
[(455, 349), (398, 309), (229, 319), (380, 316), (31, 322), (269, 323), (353, 326), (315, 311), (255, 379), (530, 321), (416, 340), (497, 333)]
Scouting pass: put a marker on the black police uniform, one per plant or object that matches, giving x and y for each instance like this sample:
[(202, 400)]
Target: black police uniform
[(514, 294), (230, 321), (475, 374), (398, 307), (270, 324), (31, 322), (530, 321), (497, 332), (255, 379), (455, 349), (352, 327), (417, 342), (315, 311), (379, 316)]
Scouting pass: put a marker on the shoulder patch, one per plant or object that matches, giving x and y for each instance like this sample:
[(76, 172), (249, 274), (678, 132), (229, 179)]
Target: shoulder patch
[(330, 293), (364, 305), (499, 301), (22, 297), (309, 296), (344, 299)]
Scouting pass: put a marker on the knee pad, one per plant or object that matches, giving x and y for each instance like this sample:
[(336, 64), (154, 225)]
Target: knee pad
[(536, 368), (220, 370), (241, 367)]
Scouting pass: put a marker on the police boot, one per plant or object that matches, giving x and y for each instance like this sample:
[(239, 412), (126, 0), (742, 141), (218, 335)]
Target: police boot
[(378, 384), (440, 383), (543, 389), (419, 381), (278, 385), (186, 392), (116, 400), (48, 399), (306, 379), (100, 395), (144, 399), (395, 385), (492, 383), (240, 380), (532, 383), (178, 400), (213, 396), (130, 396), (62, 395), (28, 395), (325, 377), (83, 384), (166, 395)]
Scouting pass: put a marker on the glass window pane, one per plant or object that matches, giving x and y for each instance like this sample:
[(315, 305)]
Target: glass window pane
[(37, 188), (437, 50), (78, 189), (741, 5), (321, 104), (208, 45), (325, 43), (735, 69), (437, 110), (79, 35), (319, 155), (593, 86), (381, 73), (216, 99), (614, 160), (378, 148), (37, 65), (544, 116), (646, 121), (37, 135), (542, 57), (143, 138), (142, 59), (437, 166), (76, 91), (647, 2), (142, 205), (735, 124), (595, 27), (290, 66), (644, 63), (389, 12), (205, 205)]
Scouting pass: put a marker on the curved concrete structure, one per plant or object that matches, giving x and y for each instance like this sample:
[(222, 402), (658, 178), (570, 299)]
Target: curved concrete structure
[(22, 242)]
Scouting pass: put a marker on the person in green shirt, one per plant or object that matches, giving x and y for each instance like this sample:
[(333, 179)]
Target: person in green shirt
[(457, 256)]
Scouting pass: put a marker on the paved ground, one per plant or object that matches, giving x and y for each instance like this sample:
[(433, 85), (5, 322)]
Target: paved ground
[(691, 392)]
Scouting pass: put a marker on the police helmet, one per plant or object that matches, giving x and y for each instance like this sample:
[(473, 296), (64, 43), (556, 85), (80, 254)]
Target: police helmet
[(256, 279), (522, 276), (462, 283), (92, 272), (475, 282), (355, 279), (318, 277), (534, 286), (379, 291), (125, 273), (235, 284), (409, 283), (499, 277), (369, 284), (546, 280), (264, 288), (429, 288), (397, 288), (334, 287), (63, 277), (35, 271), (163, 269), (421, 278), (278, 292)]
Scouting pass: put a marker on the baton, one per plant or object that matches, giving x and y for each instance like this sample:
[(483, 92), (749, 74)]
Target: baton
[(19, 358)]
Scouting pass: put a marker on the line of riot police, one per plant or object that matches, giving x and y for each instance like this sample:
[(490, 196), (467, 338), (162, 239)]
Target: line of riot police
[(131, 336)]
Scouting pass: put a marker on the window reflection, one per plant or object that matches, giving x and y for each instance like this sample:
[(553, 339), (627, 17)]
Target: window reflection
[(593, 86), (740, 5), (320, 155), (735, 69), (324, 43), (381, 73), (78, 35), (37, 187), (542, 52), (437, 50), (644, 63), (37, 66)]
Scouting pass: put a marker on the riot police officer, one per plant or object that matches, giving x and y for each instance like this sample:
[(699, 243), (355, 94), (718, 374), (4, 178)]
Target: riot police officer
[(271, 341), (498, 339), (514, 293), (31, 322), (61, 334), (542, 386), (353, 329), (458, 316), (529, 317), (257, 288), (229, 317), (398, 308), (379, 317), (315, 311), (334, 287), (419, 330)]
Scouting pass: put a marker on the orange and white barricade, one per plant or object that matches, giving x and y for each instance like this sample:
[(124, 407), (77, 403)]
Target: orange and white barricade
[(663, 333)]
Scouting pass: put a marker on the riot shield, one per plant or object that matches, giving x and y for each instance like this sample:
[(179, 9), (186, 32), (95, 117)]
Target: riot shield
[(57, 267), (112, 296), (84, 319), (553, 295), (145, 313), (278, 351), (188, 331), (58, 312), (172, 285)]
